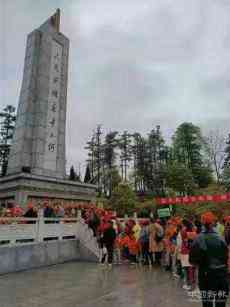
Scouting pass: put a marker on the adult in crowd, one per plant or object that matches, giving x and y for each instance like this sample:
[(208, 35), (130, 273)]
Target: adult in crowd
[(188, 235), (59, 211), (227, 230), (31, 213), (227, 238), (144, 243), (156, 235), (93, 222), (48, 211), (6, 213), (108, 240), (198, 224), (179, 272), (210, 253), (136, 230)]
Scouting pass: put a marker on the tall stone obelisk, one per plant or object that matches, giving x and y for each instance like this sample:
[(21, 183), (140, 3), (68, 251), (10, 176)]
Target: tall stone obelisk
[(36, 166), (38, 145)]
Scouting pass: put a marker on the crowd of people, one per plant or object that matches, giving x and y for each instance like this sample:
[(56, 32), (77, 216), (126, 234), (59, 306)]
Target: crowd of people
[(194, 250), (89, 212)]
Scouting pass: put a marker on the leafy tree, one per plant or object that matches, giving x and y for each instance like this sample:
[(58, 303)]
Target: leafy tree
[(7, 124), (226, 178), (189, 147), (187, 144), (123, 199), (115, 179), (145, 208), (180, 179), (203, 176), (152, 164)]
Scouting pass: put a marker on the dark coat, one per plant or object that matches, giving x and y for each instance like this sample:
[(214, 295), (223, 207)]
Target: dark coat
[(227, 234), (209, 251), (109, 237), (31, 213), (49, 212)]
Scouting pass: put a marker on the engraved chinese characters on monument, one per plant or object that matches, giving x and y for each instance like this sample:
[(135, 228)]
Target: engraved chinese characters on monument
[(53, 107), (39, 140), (37, 162)]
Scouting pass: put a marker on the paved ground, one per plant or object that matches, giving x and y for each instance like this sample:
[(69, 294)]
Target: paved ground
[(91, 285)]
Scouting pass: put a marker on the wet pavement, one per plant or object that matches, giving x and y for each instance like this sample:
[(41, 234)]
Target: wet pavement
[(92, 285)]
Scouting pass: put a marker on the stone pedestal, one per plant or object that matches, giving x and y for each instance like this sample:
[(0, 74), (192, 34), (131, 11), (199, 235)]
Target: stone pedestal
[(21, 188)]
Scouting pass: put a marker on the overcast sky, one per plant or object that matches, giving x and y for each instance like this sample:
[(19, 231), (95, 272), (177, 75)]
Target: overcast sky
[(133, 64)]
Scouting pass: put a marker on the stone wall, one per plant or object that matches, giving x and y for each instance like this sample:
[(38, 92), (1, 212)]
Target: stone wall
[(30, 256)]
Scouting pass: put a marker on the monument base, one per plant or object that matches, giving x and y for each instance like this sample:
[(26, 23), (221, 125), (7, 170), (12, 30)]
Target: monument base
[(22, 188)]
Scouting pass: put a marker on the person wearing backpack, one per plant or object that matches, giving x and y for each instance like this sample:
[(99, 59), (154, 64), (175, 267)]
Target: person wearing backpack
[(210, 253), (156, 235)]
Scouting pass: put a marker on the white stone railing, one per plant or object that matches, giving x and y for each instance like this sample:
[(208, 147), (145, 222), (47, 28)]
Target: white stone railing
[(14, 231), (20, 230)]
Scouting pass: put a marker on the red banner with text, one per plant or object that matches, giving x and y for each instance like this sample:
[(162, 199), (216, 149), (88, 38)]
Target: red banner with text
[(193, 199)]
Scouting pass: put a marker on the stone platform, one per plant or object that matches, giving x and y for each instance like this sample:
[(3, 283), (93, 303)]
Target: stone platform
[(23, 187), (89, 285)]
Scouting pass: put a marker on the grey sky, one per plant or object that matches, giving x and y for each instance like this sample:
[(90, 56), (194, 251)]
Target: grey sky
[(133, 63)]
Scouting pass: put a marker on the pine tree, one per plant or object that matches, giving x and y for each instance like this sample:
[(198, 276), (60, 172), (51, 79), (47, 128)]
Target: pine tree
[(91, 156), (188, 147), (125, 146), (99, 158), (87, 178), (72, 175), (109, 160), (155, 156), (95, 158), (139, 162)]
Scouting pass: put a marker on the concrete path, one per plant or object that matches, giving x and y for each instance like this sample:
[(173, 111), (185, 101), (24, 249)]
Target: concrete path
[(92, 285)]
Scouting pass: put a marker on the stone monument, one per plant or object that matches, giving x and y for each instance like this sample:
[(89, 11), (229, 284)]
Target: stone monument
[(37, 162)]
